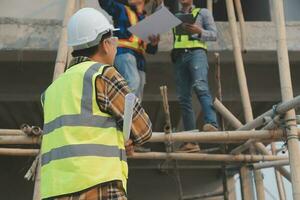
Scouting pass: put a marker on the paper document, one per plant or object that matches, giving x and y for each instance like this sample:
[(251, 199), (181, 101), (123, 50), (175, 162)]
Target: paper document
[(128, 112), (159, 22)]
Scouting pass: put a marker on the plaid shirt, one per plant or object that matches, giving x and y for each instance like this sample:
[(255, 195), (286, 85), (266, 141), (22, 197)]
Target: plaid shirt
[(106, 191), (111, 89)]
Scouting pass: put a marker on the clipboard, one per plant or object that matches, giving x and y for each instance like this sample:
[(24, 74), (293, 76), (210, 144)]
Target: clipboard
[(185, 18)]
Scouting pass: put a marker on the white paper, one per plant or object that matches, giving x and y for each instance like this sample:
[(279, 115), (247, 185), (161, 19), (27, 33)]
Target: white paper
[(128, 112), (159, 22)]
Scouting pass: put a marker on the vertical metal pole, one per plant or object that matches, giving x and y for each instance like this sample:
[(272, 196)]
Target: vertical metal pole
[(282, 193), (231, 193), (222, 127), (60, 64), (243, 88), (62, 53), (259, 183), (239, 62), (258, 179), (280, 185), (246, 183), (36, 191), (218, 76), (168, 144), (210, 5), (240, 14), (287, 94), (78, 6)]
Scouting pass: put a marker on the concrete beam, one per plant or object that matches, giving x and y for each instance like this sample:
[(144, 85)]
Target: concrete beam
[(29, 34), (34, 34)]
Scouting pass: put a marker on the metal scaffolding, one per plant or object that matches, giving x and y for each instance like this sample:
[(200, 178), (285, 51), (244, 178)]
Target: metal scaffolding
[(245, 135)]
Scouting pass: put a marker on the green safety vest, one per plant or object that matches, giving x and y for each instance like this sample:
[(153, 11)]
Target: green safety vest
[(185, 41), (81, 146)]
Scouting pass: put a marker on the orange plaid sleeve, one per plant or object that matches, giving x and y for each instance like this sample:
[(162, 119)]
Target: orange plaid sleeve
[(111, 89)]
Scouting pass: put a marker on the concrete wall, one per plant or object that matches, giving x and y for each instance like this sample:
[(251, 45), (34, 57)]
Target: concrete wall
[(33, 9), (33, 34), (54, 9), (29, 32)]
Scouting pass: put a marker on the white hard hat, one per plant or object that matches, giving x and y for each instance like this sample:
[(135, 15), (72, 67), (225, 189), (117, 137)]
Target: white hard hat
[(86, 28)]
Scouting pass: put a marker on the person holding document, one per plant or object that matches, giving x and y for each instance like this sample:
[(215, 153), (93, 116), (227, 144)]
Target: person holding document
[(189, 56), (83, 153), (130, 60)]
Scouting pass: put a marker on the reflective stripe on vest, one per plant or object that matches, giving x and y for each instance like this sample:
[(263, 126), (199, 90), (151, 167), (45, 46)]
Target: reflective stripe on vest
[(185, 41), (81, 145), (133, 42), (83, 150), (79, 120)]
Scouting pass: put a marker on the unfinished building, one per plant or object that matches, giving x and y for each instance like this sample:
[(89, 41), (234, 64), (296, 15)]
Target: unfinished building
[(29, 39)]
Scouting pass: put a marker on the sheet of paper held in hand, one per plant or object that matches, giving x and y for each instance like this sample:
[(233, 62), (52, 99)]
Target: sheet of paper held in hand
[(159, 22)]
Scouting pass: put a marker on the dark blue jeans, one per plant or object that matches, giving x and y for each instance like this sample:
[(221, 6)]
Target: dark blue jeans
[(191, 70)]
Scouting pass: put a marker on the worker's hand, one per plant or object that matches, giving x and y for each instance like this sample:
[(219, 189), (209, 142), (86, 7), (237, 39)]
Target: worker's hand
[(192, 28), (129, 147), (154, 39)]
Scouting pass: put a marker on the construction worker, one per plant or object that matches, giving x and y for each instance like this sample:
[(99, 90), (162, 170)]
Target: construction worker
[(189, 55), (130, 60), (83, 151)]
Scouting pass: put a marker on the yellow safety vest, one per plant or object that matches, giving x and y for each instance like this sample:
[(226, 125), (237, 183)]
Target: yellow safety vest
[(133, 42), (81, 146), (185, 41)]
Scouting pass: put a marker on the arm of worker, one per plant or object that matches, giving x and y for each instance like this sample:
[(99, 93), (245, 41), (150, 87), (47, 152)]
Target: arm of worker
[(209, 28), (111, 91), (152, 46), (111, 6), (204, 28)]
